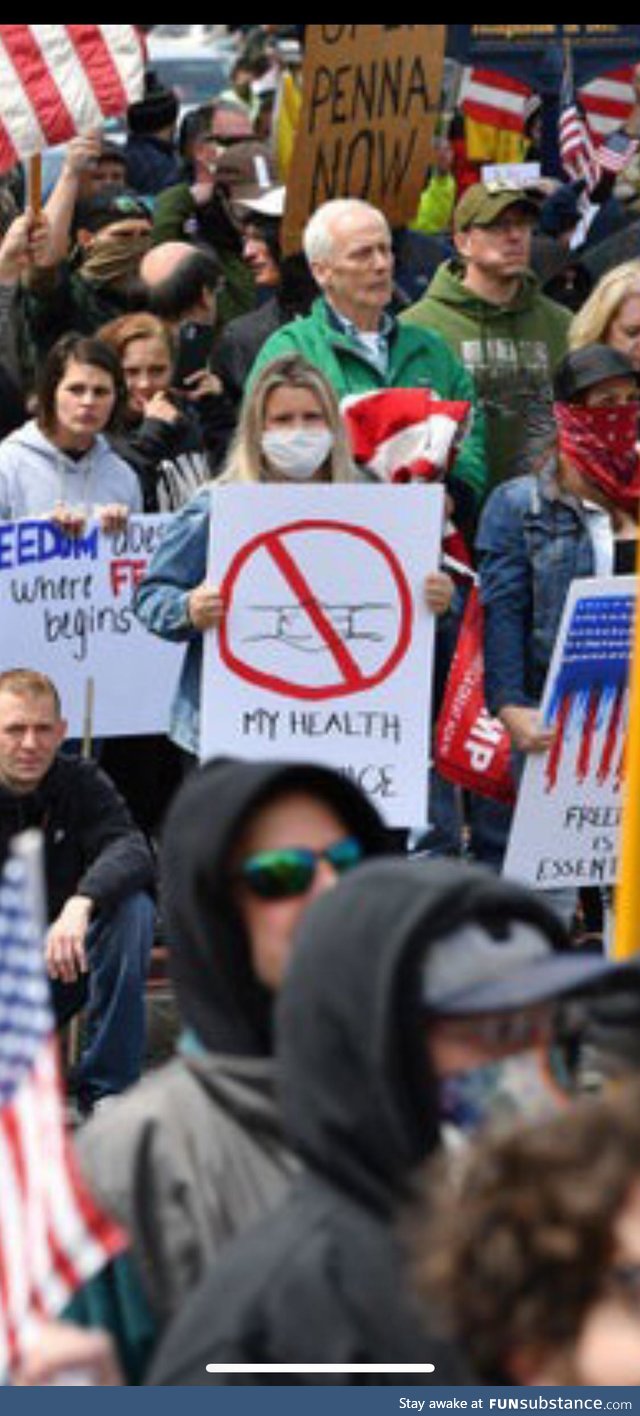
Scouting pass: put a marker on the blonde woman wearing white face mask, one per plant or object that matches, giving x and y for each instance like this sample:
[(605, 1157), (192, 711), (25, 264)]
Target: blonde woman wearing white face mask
[(290, 431)]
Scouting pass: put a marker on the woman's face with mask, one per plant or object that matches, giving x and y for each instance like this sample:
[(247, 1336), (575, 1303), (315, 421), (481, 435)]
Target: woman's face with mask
[(296, 438)]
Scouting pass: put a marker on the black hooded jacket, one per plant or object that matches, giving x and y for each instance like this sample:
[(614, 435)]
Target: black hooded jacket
[(324, 1281), (195, 1153), (217, 991)]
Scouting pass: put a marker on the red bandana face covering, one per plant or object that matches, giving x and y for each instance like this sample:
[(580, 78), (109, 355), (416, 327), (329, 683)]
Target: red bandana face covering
[(602, 443)]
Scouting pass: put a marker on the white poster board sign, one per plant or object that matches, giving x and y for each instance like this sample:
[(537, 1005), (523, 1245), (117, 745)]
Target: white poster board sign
[(567, 821), (512, 174), (326, 650), (67, 612)]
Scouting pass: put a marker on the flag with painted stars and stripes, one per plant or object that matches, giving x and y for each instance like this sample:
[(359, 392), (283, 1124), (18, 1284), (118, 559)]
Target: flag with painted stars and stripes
[(589, 702), (53, 1237), (60, 80)]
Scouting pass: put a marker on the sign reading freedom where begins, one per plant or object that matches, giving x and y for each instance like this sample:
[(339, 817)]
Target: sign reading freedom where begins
[(67, 612), (326, 650), (371, 102)]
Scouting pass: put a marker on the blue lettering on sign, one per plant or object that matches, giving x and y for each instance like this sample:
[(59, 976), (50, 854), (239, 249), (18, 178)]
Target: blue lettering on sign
[(34, 542)]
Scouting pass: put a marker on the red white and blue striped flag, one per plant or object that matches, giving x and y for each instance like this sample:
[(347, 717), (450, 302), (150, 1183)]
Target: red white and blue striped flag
[(53, 1237), (60, 80), (577, 149)]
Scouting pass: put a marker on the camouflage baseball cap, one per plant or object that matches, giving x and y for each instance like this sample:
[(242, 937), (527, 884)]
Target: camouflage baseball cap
[(483, 203)]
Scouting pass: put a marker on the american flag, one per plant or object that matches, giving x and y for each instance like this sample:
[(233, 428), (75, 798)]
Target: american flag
[(617, 151), (60, 80), (578, 153), (410, 435), (493, 98), (607, 101), (53, 1237)]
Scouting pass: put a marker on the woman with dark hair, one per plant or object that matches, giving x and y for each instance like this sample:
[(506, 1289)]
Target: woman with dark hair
[(60, 465)]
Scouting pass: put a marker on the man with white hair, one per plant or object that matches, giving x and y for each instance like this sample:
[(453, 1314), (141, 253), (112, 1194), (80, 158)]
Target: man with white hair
[(353, 338)]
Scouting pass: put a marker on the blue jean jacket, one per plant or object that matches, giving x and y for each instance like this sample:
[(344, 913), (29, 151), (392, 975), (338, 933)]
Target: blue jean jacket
[(533, 540), (161, 604)]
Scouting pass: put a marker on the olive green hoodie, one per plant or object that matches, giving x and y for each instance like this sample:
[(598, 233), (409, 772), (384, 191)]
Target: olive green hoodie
[(511, 352)]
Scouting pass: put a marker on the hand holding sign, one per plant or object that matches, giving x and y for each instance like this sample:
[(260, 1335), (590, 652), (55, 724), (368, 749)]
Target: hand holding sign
[(205, 607), (526, 729)]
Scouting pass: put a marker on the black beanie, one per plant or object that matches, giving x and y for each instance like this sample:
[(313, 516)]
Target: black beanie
[(157, 110)]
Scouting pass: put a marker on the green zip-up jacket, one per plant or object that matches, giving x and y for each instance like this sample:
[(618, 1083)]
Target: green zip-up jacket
[(418, 358), (511, 352)]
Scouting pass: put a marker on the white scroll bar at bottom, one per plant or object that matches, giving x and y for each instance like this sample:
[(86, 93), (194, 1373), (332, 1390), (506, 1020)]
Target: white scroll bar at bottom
[(292, 1369)]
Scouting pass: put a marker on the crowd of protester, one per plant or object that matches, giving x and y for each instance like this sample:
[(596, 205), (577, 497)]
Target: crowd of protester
[(373, 1142)]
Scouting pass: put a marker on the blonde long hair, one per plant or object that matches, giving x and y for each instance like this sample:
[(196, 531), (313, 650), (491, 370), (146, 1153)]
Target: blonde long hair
[(245, 462), (592, 323)]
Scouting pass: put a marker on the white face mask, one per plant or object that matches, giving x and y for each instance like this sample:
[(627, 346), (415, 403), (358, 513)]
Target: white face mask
[(297, 453)]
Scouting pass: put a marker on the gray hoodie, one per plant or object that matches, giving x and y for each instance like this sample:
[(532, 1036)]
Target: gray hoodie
[(34, 475)]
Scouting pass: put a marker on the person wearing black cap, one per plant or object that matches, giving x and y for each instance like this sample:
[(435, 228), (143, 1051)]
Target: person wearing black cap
[(537, 534), (152, 160), (197, 1153), (574, 518), (489, 307), (395, 951), (100, 281)]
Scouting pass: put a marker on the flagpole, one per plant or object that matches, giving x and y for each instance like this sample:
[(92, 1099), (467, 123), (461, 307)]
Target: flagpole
[(34, 189), (626, 931)]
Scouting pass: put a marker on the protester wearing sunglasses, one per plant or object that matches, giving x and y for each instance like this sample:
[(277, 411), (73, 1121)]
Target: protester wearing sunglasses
[(197, 1152), (274, 884), (416, 1010)]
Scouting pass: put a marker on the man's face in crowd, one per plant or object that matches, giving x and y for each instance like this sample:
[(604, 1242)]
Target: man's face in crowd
[(31, 733), (357, 275), (502, 250), (293, 820)]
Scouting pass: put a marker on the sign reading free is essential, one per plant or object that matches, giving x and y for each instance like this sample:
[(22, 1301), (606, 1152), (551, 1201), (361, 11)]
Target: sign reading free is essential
[(566, 829), (67, 612), (326, 650)]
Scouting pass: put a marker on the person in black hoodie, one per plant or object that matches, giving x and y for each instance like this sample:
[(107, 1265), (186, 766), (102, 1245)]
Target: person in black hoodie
[(195, 1153), (323, 1280)]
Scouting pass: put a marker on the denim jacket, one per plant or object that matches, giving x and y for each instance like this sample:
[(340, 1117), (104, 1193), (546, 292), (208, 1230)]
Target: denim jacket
[(533, 540), (161, 604)]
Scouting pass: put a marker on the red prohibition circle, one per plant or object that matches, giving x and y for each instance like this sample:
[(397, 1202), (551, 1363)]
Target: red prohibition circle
[(351, 679)]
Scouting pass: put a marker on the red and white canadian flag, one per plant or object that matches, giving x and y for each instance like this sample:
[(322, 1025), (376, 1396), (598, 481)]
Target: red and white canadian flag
[(60, 80)]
